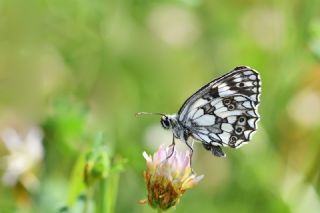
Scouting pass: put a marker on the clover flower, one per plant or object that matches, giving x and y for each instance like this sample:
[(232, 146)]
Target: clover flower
[(168, 179), (25, 153)]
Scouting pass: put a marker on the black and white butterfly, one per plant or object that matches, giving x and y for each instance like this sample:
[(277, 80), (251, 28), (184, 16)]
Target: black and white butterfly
[(221, 113)]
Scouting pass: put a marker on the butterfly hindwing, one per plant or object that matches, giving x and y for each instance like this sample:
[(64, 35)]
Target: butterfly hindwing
[(231, 121)]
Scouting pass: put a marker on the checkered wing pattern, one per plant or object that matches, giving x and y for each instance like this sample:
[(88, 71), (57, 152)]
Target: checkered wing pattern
[(224, 112)]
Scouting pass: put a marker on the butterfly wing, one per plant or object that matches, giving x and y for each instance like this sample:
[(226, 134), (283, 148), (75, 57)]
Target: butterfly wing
[(224, 112)]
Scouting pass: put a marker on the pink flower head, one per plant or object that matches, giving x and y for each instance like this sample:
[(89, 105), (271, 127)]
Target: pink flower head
[(168, 179)]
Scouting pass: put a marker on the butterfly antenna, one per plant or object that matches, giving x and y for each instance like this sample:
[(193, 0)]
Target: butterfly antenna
[(149, 113)]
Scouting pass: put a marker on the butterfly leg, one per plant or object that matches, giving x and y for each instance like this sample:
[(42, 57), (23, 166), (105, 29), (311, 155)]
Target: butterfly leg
[(191, 152), (173, 144)]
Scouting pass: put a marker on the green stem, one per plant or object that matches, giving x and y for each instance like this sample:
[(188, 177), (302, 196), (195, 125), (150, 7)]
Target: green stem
[(112, 191), (88, 199), (313, 170), (100, 197)]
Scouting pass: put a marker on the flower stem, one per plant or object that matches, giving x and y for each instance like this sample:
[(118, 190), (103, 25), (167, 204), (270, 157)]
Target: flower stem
[(86, 208)]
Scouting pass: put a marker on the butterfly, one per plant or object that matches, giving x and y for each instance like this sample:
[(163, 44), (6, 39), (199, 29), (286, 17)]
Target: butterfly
[(223, 113)]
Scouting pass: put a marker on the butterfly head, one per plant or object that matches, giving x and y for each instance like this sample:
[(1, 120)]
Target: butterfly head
[(165, 122)]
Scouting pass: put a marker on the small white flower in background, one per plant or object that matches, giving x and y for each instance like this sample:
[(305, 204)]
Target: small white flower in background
[(305, 108), (174, 25), (265, 26), (168, 179), (24, 155)]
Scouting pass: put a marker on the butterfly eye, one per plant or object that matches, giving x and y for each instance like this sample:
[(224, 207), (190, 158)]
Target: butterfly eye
[(231, 107), (165, 122)]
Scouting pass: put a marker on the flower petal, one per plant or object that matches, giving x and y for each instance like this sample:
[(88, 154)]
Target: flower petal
[(168, 179)]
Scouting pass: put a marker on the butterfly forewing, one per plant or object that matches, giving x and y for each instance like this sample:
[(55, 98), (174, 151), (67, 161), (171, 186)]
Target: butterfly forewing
[(243, 81), (224, 112)]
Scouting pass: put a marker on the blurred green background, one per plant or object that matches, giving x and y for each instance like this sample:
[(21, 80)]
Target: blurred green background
[(74, 72)]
